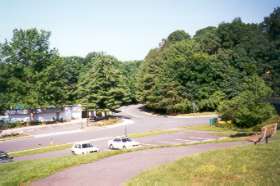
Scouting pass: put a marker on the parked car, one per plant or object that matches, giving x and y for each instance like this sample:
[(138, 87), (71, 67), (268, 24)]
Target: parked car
[(122, 143), (83, 148), (5, 158)]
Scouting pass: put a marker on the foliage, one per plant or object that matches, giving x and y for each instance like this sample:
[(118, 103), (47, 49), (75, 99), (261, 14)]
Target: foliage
[(217, 68), (25, 59), (178, 35), (248, 109), (130, 70), (103, 86), (208, 40)]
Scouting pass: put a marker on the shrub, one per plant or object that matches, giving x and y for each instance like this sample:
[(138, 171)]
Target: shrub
[(246, 110)]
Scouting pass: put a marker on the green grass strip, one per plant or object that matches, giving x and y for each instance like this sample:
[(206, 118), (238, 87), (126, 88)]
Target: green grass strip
[(40, 150)]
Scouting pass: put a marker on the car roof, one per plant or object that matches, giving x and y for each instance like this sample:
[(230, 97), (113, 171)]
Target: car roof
[(121, 137)]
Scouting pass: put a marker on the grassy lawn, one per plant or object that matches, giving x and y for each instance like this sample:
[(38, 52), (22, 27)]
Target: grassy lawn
[(107, 121), (199, 114), (249, 165), (219, 131), (17, 173), (40, 150), (207, 127)]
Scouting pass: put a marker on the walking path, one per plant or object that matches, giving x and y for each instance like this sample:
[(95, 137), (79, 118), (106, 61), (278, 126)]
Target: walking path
[(116, 170)]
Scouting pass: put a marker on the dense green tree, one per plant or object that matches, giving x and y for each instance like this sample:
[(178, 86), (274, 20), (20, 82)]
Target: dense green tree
[(178, 35), (70, 70), (249, 107), (190, 76), (26, 56), (130, 70), (208, 40), (271, 24), (103, 87)]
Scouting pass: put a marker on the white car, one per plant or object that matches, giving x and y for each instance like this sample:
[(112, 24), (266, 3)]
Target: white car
[(122, 143), (83, 148)]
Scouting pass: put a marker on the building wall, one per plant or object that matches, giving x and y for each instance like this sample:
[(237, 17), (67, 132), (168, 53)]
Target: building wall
[(68, 114)]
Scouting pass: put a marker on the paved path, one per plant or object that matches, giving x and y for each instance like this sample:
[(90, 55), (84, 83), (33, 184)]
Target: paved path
[(116, 170)]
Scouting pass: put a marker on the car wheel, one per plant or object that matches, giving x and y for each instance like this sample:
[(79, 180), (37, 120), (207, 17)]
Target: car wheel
[(111, 146)]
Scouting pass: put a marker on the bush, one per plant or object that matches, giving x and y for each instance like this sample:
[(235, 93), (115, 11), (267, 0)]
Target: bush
[(246, 110)]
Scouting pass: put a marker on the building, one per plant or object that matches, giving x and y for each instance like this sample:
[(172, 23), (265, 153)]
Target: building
[(67, 113)]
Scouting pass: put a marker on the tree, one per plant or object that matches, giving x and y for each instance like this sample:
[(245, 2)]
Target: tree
[(32, 79), (103, 86), (271, 24), (246, 110), (130, 70), (178, 35), (70, 70), (26, 56), (208, 40)]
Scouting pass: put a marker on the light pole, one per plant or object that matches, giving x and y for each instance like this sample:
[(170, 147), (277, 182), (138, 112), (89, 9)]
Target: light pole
[(125, 130)]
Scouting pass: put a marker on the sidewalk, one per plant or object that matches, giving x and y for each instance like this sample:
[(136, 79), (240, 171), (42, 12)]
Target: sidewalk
[(31, 130)]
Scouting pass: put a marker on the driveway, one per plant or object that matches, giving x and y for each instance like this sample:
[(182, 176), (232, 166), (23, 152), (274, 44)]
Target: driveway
[(116, 170), (141, 122)]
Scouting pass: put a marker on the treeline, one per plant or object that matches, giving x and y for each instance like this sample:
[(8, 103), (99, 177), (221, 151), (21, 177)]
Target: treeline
[(34, 76), (232, 68)]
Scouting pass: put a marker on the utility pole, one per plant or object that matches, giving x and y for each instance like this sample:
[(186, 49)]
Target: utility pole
[(125, 130)]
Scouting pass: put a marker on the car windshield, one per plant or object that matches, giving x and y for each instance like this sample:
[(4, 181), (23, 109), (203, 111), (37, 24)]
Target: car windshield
[(126, 140), (87, 145), (117, 139)]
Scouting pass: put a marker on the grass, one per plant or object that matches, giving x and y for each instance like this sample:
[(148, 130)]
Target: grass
[(107, 121), (220, 131), (18, 173), (248, 165), (199, 114), (12, 136), (153, 133), (207, 127), (40, 150)]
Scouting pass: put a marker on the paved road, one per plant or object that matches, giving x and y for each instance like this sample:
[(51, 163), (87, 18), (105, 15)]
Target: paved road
[(163, 139), (141, 122), (117, 169)]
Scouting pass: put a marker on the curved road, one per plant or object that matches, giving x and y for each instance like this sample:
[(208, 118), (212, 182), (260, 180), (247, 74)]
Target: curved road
[(116, 170), (141, 122)]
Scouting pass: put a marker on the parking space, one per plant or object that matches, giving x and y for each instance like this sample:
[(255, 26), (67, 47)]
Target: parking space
[(176, 138)]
